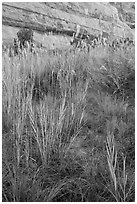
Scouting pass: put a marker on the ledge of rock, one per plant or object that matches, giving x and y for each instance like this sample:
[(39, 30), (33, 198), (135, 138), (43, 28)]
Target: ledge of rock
[(62, 18)]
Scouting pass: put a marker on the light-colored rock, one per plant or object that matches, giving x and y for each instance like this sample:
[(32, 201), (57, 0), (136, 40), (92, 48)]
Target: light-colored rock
[(63, 18)]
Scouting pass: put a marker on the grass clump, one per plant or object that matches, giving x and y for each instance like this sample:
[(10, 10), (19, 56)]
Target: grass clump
[(68, 126)]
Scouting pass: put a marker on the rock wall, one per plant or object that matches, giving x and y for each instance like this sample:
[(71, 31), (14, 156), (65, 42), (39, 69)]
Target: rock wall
[(126, 12), (62, 18)]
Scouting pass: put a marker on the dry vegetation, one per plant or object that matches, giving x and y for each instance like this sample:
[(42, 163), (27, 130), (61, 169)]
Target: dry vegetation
[(68, 126)]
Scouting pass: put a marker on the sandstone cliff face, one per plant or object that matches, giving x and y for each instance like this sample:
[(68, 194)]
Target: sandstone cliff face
[(126, 12), (62, 18)]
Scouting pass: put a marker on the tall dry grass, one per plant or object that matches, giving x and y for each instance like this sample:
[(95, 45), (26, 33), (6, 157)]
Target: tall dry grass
[(56, 109)]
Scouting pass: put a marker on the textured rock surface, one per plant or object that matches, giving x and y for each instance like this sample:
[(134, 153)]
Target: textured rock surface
[(62, 18), (126, 12)]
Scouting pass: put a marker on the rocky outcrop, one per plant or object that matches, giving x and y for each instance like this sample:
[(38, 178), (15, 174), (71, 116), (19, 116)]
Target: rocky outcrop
[(62, 18), (126, 12)]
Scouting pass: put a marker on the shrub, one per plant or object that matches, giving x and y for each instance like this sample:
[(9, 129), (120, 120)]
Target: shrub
[(25, 35)]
